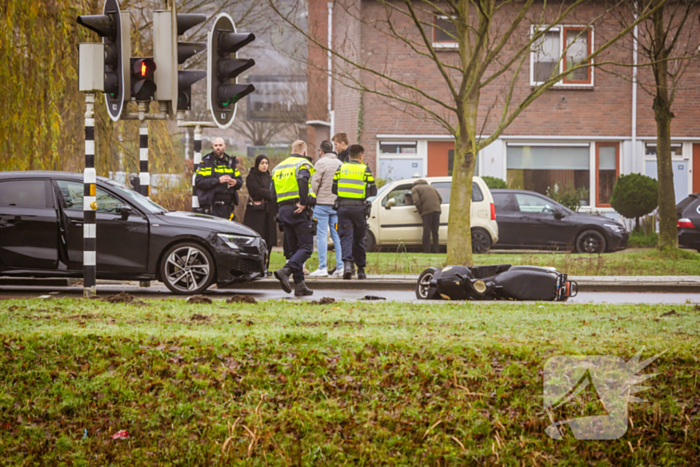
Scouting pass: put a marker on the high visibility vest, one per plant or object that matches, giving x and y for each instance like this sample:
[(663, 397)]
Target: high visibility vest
[(284, 176), (352, 183), (218, 171)]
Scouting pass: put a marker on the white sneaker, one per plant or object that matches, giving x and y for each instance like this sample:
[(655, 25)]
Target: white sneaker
[(319, 273), (338, 272)]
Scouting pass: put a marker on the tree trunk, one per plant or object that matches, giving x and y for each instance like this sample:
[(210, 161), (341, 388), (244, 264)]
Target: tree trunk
[(668, 230), (459, 239)]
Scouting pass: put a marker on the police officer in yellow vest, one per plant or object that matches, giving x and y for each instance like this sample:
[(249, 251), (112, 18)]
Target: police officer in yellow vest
[(291, 184), (353, 183), (217, 182)]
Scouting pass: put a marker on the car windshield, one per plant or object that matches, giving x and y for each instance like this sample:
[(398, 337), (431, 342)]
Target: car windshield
[(136, 198), (379, 193)]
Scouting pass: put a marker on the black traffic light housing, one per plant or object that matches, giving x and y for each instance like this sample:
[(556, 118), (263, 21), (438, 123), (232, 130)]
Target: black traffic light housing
[(185, 50), (109, 26), (224, 67), (143, 85)]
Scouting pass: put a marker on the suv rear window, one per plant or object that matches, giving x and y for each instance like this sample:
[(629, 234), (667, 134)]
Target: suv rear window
[(685, 203)]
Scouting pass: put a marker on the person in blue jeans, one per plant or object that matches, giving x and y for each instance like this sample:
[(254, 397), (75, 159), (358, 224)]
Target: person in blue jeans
[(322, 182)]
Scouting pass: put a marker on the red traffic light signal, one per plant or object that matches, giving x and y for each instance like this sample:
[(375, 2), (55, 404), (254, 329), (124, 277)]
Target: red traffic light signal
[(143, 86)]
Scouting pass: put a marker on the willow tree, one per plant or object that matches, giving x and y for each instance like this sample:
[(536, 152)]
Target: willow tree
[(494, 39)]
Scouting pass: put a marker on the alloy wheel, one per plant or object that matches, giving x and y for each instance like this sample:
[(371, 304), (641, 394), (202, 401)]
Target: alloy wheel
[(424, 284), (187, 269)]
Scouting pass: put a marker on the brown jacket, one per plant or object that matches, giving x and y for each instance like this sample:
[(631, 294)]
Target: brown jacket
[(426, 198)]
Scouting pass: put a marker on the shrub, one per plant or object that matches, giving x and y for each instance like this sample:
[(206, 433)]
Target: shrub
[(494, 182), (642, 240), (568, 196), (635, 195)]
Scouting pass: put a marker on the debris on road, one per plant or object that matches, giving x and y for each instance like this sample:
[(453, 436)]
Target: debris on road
[(372, 297), (242, 299), (199, 299)]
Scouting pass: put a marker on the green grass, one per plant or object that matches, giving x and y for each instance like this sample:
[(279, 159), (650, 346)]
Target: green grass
[(632, 262), (642, 240), (289, 383)]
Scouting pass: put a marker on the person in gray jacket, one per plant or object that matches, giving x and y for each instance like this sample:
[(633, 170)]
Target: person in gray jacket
[(321, 182)]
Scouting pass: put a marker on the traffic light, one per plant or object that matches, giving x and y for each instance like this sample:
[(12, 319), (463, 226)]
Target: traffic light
[(174, 86), (115, 29), (143, 85), (223, 69)]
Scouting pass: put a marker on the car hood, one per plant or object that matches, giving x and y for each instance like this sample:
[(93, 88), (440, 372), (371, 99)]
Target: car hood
[(592, 219), (204, 221)]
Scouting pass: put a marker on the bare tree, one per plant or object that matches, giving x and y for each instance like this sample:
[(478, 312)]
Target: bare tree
[(668, 42), (494, 40)]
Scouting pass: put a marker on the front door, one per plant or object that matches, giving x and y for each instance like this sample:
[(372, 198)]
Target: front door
[(537, 224), (399, 222), (122, 244), (28, 225)]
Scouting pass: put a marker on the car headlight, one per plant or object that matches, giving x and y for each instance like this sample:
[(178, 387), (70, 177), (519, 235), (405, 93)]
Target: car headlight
[(615, 228), (236, 241)]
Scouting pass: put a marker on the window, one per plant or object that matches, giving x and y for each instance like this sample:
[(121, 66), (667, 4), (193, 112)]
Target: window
[(550, 168), (24, 194), (503, 202), (73, 196), (533, 204), (607, 171), (574, 44), (650, 150), (401, 195), (444, 33), (398, 147)]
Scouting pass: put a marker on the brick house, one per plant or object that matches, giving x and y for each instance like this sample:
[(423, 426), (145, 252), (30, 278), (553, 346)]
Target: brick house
[(582, 133)]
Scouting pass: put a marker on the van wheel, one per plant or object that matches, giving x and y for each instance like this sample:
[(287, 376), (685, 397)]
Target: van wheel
[(590, 241), (481, 241), (370, 242), (187, 269)]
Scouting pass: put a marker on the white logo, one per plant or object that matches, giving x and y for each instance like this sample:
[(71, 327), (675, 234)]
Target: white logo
[(613, 380)]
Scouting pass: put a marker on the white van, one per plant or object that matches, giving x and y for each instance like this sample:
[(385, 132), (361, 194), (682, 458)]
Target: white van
[(395, 221)]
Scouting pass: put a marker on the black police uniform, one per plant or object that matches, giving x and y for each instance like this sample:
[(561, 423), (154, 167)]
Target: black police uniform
[(216, 198), (298, 228), (352, 221)]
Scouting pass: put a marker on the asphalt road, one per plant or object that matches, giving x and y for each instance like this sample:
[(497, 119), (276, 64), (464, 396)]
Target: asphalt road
[(159, 291)]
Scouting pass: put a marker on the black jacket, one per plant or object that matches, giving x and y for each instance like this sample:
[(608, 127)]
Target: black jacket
[(261, 220), (344, 156), (209, 188)]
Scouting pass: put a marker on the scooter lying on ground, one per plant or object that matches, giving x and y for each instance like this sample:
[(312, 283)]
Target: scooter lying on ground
[(499, 282)]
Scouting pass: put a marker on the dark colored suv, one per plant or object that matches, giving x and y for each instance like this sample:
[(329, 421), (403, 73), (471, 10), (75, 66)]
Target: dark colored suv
[(530, 220), (41, 235), (688, 214)]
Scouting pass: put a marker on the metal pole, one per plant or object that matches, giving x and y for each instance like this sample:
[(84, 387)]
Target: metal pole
[(144, 176), (89, 202), (197, 161)]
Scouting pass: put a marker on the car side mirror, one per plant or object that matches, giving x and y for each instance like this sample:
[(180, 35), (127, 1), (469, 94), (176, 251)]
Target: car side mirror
[(558, 214), (391, 203), (125, 211)]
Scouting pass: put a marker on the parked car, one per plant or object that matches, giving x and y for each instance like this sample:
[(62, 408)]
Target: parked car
[(688, 213), (41, 235), (530, 220), (394, 219)]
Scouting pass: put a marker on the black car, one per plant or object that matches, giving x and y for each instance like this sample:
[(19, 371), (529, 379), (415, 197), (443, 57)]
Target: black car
[(530, 220), (41, 235), (688, 214)]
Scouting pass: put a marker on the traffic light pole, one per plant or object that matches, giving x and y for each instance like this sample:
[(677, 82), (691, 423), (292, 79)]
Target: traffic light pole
[(198, 129), (144, 175), (89, 201)]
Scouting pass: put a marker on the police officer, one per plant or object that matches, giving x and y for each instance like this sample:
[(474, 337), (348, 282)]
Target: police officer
[(218, 181), (291, 184), (353, 183)]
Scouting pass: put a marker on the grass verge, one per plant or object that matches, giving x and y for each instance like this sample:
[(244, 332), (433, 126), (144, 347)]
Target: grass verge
[(288, 383), (632, 262)]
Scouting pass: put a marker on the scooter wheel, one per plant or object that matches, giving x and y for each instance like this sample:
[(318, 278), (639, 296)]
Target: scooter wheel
[(423, 284)]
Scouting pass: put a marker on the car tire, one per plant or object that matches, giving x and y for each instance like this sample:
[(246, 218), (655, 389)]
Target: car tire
[(423, 284), (187, 269), (481, 241), (591, 241), (370, 242)]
